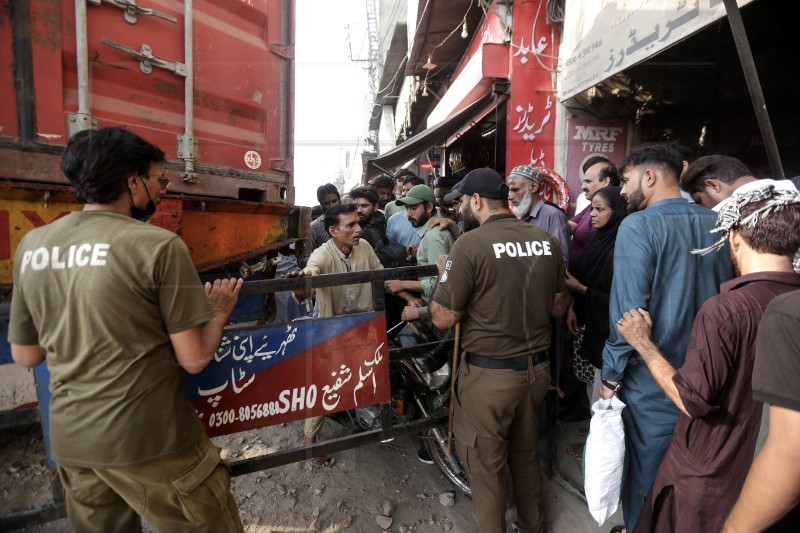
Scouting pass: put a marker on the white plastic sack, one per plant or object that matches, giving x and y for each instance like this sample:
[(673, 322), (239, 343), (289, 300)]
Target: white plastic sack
[(604, 458)]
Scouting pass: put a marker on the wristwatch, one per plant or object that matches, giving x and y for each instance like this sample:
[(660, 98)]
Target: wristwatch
[(613, 386)]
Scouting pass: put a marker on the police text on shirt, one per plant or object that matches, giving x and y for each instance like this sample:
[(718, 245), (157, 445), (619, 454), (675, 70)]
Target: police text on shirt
[(521, 249), (77, 255)]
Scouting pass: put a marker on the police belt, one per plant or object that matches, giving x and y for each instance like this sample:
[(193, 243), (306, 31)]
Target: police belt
[(515, 363)]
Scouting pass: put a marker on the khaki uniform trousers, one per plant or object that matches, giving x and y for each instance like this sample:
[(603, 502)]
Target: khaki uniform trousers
[(185, 492), (496, 423)]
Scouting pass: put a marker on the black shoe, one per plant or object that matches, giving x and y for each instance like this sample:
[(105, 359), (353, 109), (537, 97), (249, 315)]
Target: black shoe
[(424, 456)]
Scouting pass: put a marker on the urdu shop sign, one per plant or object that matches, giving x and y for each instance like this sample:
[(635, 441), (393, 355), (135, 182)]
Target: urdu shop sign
[(604, 37), (267, 375)]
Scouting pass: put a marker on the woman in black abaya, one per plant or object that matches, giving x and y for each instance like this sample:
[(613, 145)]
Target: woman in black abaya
[(590, 279)]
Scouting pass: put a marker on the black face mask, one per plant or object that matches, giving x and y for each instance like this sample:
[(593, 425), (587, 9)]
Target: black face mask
[(149, 210)]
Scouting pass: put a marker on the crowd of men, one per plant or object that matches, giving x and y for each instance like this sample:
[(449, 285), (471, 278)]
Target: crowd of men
[(699, 304), (683, 309)]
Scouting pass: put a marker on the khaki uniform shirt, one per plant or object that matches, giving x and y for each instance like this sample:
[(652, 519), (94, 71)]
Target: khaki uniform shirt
[(343, 299), (101, 292), (504, 276)]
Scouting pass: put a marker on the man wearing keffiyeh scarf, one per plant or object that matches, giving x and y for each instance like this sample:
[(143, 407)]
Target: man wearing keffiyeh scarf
[(734, 213), (707, 461)]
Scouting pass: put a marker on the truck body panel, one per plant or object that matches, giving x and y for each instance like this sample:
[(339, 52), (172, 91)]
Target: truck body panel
[(234, 199)]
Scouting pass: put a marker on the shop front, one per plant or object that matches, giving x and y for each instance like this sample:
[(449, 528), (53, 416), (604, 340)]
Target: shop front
[(499, 109), (656, 71)]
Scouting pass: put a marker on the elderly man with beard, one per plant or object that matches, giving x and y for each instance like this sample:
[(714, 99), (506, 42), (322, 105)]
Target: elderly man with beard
[(707, 461), (654, 269), (420, 204), (524, 184)]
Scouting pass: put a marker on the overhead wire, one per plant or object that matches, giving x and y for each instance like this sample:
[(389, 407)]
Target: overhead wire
[(430, 52), (533, 36), (389, 85), (420, 17), (486, 6)]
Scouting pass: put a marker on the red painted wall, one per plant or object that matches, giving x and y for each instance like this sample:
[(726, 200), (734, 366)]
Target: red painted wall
[(531, 111)]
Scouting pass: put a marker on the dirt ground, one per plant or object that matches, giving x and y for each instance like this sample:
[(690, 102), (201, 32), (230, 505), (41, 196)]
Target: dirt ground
[(349, 496)]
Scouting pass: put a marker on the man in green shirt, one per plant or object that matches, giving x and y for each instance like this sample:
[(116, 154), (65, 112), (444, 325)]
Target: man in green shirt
[(117, 310), (420, 204)]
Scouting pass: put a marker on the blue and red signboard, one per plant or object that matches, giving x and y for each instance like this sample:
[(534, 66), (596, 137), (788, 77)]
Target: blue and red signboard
[(267, 375)]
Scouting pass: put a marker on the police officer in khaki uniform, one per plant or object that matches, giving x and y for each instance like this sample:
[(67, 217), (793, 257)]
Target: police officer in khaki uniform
[(504, 281), (117, 310)]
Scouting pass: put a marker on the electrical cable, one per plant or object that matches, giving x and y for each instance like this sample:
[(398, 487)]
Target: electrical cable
[(402, 67), (533, 36), (430, 52)]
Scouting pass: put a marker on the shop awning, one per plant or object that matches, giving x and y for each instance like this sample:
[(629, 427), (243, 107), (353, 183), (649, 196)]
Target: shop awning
[(487, 66), (604, 38), (435, 136)]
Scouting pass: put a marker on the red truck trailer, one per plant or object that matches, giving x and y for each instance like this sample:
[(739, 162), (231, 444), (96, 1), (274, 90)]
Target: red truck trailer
[(209, 81)]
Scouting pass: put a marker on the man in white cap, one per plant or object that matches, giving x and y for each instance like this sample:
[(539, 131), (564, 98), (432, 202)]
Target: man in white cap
[(524, 184)]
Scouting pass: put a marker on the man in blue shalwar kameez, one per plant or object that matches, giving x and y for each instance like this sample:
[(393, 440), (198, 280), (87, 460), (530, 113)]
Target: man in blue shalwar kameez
[(655, 269)]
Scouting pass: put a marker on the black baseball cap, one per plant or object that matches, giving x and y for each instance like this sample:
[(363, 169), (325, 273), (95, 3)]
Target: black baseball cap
[(484, 182), (454, 194)]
